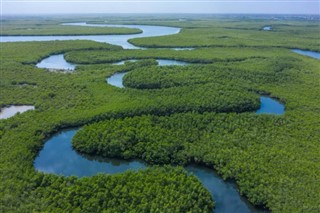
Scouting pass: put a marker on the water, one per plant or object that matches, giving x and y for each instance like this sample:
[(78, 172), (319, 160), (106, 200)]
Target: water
[(58, 157), (184, 48), (122, 62), (117, 78), (10, 111), (56, 62), (224, 193), (161, 62), (121, 40), (312, 54), (267, 28), (270, 106), (165, 62)]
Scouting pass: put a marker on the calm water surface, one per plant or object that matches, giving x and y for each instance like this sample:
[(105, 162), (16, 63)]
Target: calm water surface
[(10, 111), (121, 40), (117, 79), (312, 54), (58, 157), (270, 106), (56, 62), (165, 62)]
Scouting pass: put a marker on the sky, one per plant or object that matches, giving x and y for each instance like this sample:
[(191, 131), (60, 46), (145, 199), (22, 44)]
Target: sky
[(33, 7)]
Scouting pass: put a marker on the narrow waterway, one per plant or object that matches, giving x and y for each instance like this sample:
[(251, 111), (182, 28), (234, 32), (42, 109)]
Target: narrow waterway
[(309, 53), (56, 62), (58, 157)]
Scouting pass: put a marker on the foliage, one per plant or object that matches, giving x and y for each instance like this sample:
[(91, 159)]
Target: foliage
[(242, 34), (152, 190), (273, 159), (222, 141)]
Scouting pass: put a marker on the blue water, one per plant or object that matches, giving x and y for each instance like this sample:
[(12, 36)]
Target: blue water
[(117, 79), (165, 62), (121, 40), (56, 62), (58, 157), (312, 54), (270, 106)]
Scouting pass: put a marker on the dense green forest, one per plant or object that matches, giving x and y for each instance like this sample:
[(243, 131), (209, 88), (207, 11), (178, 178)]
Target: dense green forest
[(201, 113)]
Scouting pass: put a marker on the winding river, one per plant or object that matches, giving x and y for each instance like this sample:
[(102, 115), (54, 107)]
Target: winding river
[(58, 157), (121, 40), (309, 53), (56, 62)]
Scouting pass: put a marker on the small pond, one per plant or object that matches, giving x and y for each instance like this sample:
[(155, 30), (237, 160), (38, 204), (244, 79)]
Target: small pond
[(116, 79), (58, 157), (56, 62), (10, 111), (267, 28), (270, 106), (312, 54)]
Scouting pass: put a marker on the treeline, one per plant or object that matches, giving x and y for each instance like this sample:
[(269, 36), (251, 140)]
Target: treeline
[(235, 75), (155, 189), (201, 55)]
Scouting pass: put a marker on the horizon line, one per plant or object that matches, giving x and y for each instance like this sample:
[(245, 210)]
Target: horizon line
[(161, 13)]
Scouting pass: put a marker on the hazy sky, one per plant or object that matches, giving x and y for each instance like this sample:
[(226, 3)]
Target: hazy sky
[(159, 6)]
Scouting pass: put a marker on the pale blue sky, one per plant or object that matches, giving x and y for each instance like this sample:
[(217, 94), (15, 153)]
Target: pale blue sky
[(160, 6)]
